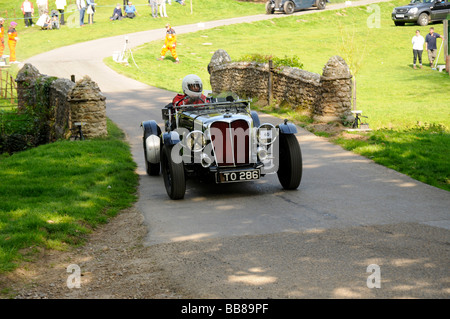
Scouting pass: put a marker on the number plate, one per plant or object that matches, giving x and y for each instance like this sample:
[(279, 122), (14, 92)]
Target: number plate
[(400, 16), (238, 176)]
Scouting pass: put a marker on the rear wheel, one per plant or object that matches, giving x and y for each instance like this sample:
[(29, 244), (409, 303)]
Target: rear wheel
[(173, 174), (320, 4), (152, 169), (290, 162), (289, 7), (269, 9)]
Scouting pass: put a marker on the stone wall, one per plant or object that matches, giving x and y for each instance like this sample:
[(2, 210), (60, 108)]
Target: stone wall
[(326, 97), (65, 101)]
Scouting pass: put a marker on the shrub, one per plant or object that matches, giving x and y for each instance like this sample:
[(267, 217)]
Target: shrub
[(293, 62)]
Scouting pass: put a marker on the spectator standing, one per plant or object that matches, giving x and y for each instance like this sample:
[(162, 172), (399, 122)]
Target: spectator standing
[(417, 42), (12, 41), (81, 5), (2, 36), (130, 10), (90, 10), (162, 8), (170, 44), (430, 45), (42, 6), (60, 6), (154, 6), (28, 11)]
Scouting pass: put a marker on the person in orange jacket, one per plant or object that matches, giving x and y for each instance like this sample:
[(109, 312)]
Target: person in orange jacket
[(170, 44), (12, 40), (2, 39)]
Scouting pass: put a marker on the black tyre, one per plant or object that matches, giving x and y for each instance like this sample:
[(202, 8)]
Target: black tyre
[(289, 7), (173, 174), (269, 9), (290, 162), (423, 19), (150, 128), (152, 169), (321, 4), (399, 23)]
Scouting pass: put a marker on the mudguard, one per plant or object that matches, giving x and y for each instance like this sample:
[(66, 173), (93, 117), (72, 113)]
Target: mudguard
[(287, 128), (171, 138), (150, 128)]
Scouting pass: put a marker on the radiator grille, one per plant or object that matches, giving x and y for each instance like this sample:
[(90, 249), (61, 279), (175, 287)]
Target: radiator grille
[(231, 142)]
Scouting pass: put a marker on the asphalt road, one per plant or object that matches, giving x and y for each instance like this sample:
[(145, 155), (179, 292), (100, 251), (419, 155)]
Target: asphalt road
[(255, 240)]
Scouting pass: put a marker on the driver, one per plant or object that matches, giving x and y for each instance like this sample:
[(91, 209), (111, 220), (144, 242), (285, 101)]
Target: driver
[(192, 92)]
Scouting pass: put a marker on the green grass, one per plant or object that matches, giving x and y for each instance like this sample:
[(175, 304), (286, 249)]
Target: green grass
[(400, 102), (33, 41), (53, 195)]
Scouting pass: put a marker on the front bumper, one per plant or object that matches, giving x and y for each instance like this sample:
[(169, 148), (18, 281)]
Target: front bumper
[(405, 17)]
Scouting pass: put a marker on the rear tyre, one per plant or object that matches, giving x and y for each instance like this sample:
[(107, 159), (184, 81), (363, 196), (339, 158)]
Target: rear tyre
[(289, 7), (269, 9), (152, 169), (290, 162), (173, 174), (321, 4)]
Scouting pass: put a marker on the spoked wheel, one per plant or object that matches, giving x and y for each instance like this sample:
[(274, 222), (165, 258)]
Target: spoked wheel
[(290, 162), (321, 4), (289, 7), (173, 174), (269, 9)]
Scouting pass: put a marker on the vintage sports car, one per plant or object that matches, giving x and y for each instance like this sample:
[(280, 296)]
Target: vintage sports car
[(221, 141)]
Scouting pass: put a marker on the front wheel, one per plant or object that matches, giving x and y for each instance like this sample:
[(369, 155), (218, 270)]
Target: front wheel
[(173, 174), (424, 19), (290, 162), (289, 7)]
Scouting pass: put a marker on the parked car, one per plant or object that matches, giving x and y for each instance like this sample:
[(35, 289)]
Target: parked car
[(421, 12), (222, 141), (290, 6)]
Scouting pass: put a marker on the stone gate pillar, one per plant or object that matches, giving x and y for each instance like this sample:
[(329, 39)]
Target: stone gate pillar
[(88, 105), (334, 102)]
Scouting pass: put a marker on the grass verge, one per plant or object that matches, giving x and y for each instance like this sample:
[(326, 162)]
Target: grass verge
[(53, 195)]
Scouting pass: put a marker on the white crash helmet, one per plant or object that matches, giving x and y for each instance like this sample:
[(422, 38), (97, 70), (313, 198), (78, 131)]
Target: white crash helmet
[(192, 85)]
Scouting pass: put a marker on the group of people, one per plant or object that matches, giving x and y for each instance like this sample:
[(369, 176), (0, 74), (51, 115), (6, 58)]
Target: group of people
[(44, 20), (12, 40), (86, 7), (154, 4), (430, 46), (130, 10)]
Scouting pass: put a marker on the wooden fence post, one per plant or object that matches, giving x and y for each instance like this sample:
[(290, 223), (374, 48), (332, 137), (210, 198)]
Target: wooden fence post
[(270, 84)]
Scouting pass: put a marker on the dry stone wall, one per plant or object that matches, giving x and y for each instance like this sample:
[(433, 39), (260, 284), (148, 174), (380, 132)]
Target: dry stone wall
[(326, 97), (66, 102)]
